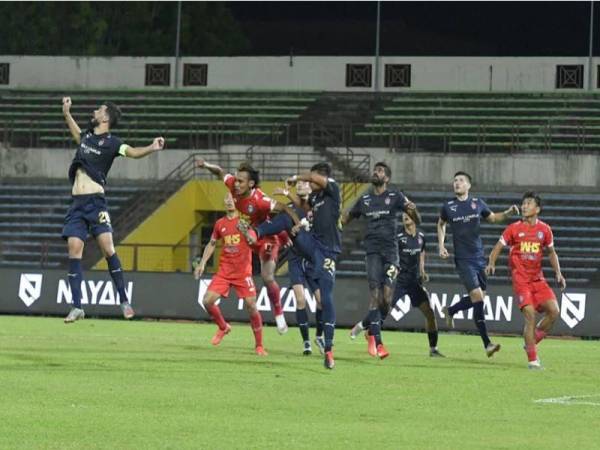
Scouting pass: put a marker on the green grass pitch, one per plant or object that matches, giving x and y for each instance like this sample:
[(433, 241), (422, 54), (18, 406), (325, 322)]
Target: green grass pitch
[(114, 384)]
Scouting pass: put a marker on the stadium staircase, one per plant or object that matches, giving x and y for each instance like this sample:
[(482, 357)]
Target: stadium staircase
[(187, 119), (574, 218)]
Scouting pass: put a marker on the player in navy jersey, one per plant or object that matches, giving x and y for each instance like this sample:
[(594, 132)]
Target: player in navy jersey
[(464, 214), (411, 276), (301, 273), (380, 207), (88, 213), (321, 246)]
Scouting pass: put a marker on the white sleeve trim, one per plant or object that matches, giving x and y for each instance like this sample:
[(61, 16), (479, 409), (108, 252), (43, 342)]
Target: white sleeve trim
[(502, 241), (550, 245), (227, 177)]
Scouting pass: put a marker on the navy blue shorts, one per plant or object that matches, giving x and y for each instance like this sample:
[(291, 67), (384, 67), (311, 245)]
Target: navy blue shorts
[(472, 273), (87, 214), (301, 272), (415, 291), (382, 269)]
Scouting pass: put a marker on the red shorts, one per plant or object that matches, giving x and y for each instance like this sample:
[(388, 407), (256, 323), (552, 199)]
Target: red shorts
[(267, 248), (534, 293), (244, 287)]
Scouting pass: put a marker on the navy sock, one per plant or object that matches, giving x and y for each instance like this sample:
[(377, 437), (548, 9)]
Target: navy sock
[(116, 272), (319, 319), (433, 338), (464, 303), (480, 322), (75, 278), (302, 319), (384, 310), (366, 322), (375, 325), (326, 288)]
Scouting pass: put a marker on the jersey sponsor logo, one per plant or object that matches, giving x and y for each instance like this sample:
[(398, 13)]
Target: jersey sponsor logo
[(572, 308), (232, 239), (465, 219), (530, 247), (30, 287), (93, 293), (367, 202), (87, 149)]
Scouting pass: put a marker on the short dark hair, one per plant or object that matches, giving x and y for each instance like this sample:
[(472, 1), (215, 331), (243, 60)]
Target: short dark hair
[(114, 113), (386, 168), (323, 168), (534, 196), (465, 174), (253, 174)]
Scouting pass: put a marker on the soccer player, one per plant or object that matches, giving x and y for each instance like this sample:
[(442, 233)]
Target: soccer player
[(411, 276), (380, 207), (527, 239), (321, 245), (255, 207), (97, 149), (464, 214), (301, 273), (235, 269)]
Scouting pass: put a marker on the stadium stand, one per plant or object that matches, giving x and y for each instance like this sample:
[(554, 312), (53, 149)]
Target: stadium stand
[(574, 218), (487, 122), (32, 216), (186, 119)]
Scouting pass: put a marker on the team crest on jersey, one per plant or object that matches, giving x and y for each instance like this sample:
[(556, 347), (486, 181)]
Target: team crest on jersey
[(101, 142), (521, 234), (540, 235), (387, 201), (223, 230), (250, 209), (473, 205)]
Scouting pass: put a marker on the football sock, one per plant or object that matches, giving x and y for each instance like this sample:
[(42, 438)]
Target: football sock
[(464, 303), (480, 322), (256, 324), (302, 320), (75, 278), (215, 313), (116, 273), (273, 293)]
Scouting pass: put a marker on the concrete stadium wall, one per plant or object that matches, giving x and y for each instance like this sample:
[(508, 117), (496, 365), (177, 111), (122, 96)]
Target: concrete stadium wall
[(556, 171), (294, 73)]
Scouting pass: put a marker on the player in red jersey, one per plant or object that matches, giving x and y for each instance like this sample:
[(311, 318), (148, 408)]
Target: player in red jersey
[(235, 269), (527, 240), (255, 207)]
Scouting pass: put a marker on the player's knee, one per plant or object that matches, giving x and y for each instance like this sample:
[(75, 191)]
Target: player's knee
[(552, 313), (250, 305), (528, 315)]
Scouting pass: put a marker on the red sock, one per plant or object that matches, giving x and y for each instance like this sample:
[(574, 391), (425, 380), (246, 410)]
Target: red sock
[(215, 313), (273, 293), (531, 352), (539, 335), (256, 324)]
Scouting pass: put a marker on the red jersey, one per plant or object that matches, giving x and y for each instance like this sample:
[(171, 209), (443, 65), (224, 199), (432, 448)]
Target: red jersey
[(527, 243), (255, 208), (236, 257)]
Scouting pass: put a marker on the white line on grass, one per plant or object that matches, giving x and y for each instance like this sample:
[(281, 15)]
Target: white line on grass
[(572, 400)]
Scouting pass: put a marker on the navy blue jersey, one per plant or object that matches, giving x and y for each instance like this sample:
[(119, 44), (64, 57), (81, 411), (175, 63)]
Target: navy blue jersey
[(380, 211), (409, 251), (464, 218), (326, 205), (95, 155)]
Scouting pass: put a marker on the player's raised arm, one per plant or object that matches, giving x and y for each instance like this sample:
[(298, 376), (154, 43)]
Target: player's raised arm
[(491, 266), (139, 152), (311, 177), (503, 216), (553, 256), (441, 234), (73, 127), (208, 252), (411, 209), (212, 168)]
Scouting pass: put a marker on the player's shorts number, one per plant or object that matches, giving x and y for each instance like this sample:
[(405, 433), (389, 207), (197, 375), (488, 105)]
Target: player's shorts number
[(329, 265), (103, 217), (392, 272)]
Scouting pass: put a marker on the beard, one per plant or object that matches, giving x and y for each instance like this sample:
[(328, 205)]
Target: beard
[(375, 181), (94, 122)]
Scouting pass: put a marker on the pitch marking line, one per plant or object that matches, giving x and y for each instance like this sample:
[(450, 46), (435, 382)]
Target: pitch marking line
[(589, 400)]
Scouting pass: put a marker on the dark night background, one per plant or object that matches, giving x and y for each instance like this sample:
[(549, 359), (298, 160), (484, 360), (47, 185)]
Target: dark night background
[(304, 28)]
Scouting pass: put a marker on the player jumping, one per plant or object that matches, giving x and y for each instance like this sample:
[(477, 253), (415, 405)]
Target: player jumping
[(97, 149)]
